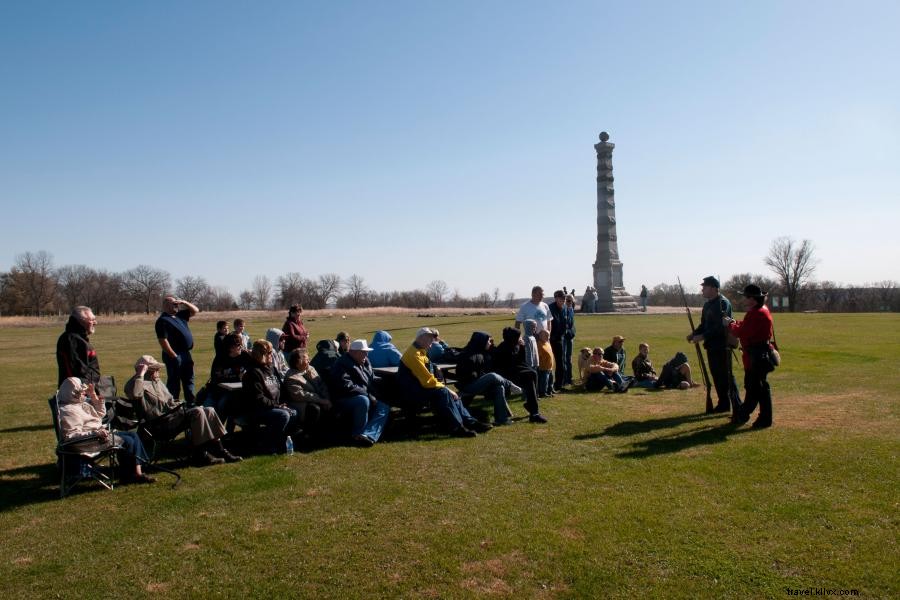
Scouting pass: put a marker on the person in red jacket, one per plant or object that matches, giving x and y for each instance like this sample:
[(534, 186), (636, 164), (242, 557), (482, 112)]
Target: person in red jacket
[(294, 331), (754, 331)]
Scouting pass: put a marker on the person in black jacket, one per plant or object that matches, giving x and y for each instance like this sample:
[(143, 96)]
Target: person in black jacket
[(353, 387), (262, 398), (508, 359), (75, 356), (474, 376)]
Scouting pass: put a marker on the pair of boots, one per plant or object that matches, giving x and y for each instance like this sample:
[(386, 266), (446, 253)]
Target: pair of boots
[(213, 453)]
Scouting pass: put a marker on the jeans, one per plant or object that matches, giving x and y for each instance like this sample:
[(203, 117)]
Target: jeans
[(559, 356), (279, 423), (180, 372), (495, 388), (132, 450), (545, 380), (598, 381), (367, 420), (448, 409)]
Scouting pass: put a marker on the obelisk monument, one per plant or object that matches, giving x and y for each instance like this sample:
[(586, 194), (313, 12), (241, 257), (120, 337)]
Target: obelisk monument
[(611, 294)]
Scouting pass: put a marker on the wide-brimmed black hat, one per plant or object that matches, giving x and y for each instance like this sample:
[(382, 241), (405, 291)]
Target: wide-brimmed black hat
[(753, 291)]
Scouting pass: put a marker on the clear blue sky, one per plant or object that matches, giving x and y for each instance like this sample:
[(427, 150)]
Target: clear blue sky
[(419, 140)]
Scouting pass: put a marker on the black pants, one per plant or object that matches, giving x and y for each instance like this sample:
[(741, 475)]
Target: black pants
[(559, 357), (526, 378), (757, 391), (723, 379)]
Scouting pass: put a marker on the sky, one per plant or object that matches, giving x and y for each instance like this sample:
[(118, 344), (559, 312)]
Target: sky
[(411, 141)]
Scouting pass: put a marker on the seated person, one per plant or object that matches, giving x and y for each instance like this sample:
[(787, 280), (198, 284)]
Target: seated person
[(644, 374), (615, 352), (277, 338), (166, 417), (440, 352), (509, 360), (417, 379), (227, 367), (474, 376), (304, 390), (353, 387), (343, 342), (221, 332), (81, 413), (676, 374), (603, 374), (384, 353), (261, 392)]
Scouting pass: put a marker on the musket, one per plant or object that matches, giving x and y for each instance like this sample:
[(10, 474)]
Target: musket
[(709, 404)]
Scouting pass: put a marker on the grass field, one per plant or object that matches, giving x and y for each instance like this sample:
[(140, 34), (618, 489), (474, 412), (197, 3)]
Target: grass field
[(620, 495)]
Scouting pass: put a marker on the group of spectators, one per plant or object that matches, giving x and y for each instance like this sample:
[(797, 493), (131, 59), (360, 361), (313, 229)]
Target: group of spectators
[(274, 388)]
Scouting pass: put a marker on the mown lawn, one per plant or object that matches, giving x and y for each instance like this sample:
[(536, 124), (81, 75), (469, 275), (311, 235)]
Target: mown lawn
[(623, 495)]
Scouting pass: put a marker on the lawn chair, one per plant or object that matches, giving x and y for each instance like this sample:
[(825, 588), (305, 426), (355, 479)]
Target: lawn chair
[(83, 459)]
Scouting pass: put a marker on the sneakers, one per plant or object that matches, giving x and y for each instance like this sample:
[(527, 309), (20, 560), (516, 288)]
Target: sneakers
[(205, 459), (537, 418), (462, 432), (514, 390)]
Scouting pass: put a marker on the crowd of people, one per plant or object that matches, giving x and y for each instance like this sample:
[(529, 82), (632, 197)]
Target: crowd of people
[(276, 391)]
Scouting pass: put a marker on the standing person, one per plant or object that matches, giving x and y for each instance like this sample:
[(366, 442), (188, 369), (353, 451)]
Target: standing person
[(417, 379), (754, 331), (714, 335), (568, 339), (644, 294), (294, 330), (535, 309), (559, 315), (175, 339), (353, 387), (75, 356), (546, 365)]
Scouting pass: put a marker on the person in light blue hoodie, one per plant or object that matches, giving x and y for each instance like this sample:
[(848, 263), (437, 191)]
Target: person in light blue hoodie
[(384, 353)]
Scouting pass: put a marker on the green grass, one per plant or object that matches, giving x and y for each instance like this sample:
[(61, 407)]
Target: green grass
[(621, 495)]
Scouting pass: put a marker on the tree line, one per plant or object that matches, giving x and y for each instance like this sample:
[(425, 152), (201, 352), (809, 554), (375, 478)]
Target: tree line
[(35, 286)]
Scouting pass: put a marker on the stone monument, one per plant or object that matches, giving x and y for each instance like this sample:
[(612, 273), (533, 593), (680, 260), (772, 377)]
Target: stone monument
[(610, 291)]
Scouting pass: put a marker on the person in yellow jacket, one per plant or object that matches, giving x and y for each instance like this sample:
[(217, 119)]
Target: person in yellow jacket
[(417, 379)]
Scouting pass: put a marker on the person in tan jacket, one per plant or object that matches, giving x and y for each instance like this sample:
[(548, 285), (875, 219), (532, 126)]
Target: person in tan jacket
[(304, 390), (154, 404)]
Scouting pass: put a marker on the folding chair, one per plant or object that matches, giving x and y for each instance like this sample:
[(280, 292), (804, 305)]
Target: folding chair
[(82, 459)]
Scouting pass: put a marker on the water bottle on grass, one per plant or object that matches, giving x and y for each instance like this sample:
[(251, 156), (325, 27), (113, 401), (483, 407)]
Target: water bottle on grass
[(288, 445)]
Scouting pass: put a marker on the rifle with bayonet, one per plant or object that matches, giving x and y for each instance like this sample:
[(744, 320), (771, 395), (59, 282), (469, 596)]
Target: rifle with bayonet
[(706, 381)]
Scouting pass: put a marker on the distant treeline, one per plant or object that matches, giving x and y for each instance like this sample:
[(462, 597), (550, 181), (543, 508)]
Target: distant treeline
[(35, 286)]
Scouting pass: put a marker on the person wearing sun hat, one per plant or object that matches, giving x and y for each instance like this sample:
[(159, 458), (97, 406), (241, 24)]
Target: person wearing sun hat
[(755, 333), (354, 387), (166, 417)]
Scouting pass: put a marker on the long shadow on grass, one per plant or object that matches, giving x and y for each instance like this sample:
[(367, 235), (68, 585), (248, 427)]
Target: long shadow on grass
[(25, 428), (676, 442), (625, 428), (30, 484)]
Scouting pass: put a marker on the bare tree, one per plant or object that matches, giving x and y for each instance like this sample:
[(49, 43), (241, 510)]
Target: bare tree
[(510, 300), (262, 291), (74, 283), (217, 298), (437, 291), (191, 288), (736, 284), (495, 299), (145, 285), (330, 286), (793, 265), (356, 290), (482, 299), (245, 300), (33, 276)]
